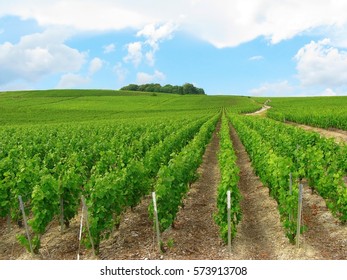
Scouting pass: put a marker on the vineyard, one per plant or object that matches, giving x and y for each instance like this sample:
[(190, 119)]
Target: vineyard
[(79, 170), (318, 112)]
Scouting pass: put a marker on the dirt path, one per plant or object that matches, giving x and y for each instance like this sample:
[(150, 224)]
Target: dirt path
[(53, 244), (260, 234), (324, 232), (260, 112), (135, 238), (340, 136)]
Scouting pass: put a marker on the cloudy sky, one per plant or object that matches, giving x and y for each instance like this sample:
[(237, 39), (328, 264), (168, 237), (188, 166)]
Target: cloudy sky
[(247, 47)]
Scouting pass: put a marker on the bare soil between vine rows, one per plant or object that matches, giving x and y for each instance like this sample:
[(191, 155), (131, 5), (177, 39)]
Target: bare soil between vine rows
[(195, 235), (260, 234)]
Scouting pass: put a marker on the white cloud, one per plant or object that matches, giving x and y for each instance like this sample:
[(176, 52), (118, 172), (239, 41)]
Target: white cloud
[(109, 48), (37, 55), (85, 15), (336, 34), (320, 64), (282, 88), (120, 71), (222, 23), (134, 53), (154, 34), (71, 80), (95, 65), (150, 58), (328, 92), (145, 78), (256, 57)]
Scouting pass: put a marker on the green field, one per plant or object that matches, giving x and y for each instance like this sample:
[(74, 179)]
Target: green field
[(55, 106), (325, 112)]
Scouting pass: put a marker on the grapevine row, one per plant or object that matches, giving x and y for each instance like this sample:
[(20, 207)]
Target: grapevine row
[(320, 112), (228, 182), (50, 174), (110, 194), (321, 161), (274, 171), (174, 178)]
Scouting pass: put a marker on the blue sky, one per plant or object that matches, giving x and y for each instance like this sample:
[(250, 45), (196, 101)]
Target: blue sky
[(244, 47)]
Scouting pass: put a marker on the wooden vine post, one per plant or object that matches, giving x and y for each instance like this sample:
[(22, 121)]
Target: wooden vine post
[(25, 223), (298, 226), (80, 234), (61, 215)]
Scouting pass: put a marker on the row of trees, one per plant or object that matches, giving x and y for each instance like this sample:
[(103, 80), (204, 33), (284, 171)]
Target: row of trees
[(187, 88)]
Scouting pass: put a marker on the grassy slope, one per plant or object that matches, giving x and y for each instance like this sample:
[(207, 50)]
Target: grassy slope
[(326, 102), (317, 111), (54, 106)]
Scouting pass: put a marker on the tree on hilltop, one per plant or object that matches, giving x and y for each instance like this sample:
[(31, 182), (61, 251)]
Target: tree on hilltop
[(187, 88)]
